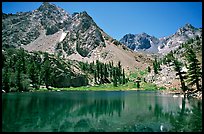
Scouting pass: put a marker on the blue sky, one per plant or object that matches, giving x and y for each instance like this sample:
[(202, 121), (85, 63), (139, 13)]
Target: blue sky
[(119, 18)]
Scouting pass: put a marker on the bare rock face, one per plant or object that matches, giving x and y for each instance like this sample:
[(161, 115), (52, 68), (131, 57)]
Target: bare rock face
[(182, 35), (139, 42), (144, 42), (23, 28), (81, 33), (83, 36), (72, 36)]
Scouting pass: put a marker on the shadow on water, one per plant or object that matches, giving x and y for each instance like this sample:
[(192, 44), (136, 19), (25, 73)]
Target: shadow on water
[(99, 112), (102, 106), (49, 112), (187, 119)]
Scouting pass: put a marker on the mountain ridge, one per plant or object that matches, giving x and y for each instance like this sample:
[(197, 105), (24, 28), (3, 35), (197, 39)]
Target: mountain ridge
[(71, 36), (162, 45)]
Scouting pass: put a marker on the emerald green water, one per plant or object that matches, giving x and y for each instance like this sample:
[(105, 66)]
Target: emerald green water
[(77, 111)]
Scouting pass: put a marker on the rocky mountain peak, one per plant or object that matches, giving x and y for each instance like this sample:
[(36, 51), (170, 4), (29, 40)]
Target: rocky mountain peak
[(141, 41), (189, 26), (186, 28), (144, 34), (51, 10), (46, 6)]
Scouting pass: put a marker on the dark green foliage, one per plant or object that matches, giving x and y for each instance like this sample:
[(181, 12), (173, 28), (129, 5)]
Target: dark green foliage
[(178, 68), (190, 41), (95, 77), (5, 80), (168, 58), (37, 68), (117, 43), (124, 81), (105, 73), (101, 73), (23, 71), (46, 73), (149, 69), (156, 66), (34, 75), (114, 78), (79, 81), (3, 60), (194, 70), (97, 67), (118, 72), (18, 77)]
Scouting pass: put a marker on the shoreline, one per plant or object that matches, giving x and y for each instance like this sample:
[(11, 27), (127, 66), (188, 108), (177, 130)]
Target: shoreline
[(197, 95)]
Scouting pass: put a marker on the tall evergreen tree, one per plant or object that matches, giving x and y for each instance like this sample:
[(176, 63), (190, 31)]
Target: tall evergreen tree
[(105, 72), (34, 75), (18, 77), (194, 70), (118, 73), (114, 78), (155, 66), (110, 71), (178, 68), (124, 81), (98, 69), (22, 57), (95, 77), (101, 73), (5, 79), (149, 69), (46, 73)]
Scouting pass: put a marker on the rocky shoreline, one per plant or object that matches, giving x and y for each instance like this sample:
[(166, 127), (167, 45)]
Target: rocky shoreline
[(196, 95)]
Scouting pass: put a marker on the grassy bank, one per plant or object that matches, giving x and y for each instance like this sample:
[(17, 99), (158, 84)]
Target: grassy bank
[(110, 87)]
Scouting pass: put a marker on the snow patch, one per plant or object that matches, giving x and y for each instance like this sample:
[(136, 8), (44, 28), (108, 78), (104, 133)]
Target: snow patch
[(63, 35)]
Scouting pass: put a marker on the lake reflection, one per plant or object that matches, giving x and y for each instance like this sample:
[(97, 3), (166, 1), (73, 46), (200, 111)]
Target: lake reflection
[(99, 111)]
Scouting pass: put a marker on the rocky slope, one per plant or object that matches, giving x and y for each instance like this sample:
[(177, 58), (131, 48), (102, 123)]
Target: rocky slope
[(141, 42), (166, 76), (72, 36), (182, 35), (144, 42)]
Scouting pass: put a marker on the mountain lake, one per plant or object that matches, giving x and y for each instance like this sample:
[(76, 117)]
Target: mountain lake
[(100, 111)]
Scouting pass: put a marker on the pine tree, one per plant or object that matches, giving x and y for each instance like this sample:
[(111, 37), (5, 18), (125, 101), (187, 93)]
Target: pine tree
[(95, 77), (5, 79), (149, 69), (110, 71), (105, 72), (18, 77), (114, 78), (178, 68), (124, 81), (98, 69), (3, 60), (91, 68), (34, 75), (101, 73), (46, 73), (118, 73), (155, 66), (194, 70), (22, 56)]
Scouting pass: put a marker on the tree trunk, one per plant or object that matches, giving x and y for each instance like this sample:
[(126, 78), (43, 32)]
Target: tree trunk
[(47, 86), (197, 85)]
